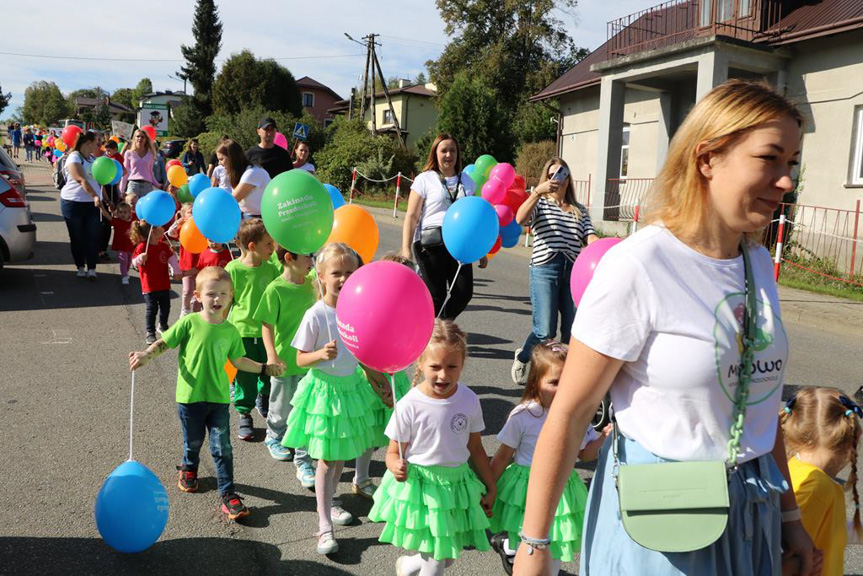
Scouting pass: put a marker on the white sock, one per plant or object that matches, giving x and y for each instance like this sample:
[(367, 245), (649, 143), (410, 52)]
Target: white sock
[(509, 551), (361, 472), (432, 567), (411, 565)]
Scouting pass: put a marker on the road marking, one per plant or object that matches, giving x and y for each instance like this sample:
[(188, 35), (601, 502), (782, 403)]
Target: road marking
[(60, 337), (46, 293)]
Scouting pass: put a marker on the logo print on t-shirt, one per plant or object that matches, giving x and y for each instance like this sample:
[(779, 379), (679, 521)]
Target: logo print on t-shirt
[(458, 423), (221, 347)]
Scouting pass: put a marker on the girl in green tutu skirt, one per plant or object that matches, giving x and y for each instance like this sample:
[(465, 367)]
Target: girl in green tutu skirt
[(431, 500), (512, 461)]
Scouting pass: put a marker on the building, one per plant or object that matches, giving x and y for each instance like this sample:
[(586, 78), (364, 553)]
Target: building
[(414, 107), (167, 98), (317, 99), (621, 105), (86, 107)]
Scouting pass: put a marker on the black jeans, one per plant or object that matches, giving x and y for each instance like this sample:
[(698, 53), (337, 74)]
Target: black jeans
[(85, 230), (159, 301), (436, 268)]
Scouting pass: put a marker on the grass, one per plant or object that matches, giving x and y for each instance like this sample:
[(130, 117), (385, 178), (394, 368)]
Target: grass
[(800, 279), (380, 201)]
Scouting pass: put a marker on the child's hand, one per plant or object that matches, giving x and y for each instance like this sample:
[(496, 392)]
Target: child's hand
[(143, 258), (400, 470), (329, 351), (275, 370), (606, 431), (487, 501), (136, 360)]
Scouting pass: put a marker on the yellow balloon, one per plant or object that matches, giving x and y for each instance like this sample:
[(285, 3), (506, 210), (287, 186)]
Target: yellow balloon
[(177, 176), (59, 145)]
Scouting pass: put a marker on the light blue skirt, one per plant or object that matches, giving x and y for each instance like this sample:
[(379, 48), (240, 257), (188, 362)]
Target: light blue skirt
[(751, 544)]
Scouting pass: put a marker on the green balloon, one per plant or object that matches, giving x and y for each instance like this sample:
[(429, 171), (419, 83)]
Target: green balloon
[(483, 166), (104, 170), (184, 195), (297, 211)]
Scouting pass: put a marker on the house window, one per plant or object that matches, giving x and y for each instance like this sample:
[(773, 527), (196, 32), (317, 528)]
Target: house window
[(706, 13), (724, 10), (308, 100), (857, 159), (745, 8), (388, 117), (624, 152)]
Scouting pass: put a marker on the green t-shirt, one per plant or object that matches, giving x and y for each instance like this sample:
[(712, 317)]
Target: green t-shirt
[(249, 286), (204, 349), (283, 306)]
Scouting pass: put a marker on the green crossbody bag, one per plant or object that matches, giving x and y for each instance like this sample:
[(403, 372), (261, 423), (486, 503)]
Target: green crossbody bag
[(683, 506)]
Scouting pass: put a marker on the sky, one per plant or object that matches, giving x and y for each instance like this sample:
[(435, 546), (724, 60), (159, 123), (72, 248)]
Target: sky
[(308, 38)]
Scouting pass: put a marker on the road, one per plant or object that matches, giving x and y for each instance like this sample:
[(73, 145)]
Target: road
[(65, 415)]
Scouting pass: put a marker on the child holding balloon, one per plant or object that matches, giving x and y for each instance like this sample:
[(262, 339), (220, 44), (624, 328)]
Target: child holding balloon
[(206, 343), (188, 261), (434, 432), (333, 409), (121, 222), (156, 262)]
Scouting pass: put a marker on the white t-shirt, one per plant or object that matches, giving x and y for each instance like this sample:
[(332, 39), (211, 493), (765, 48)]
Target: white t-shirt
[(437, 431), (220, 174), (436, 197), (257, 177), (675, 317), (72, 190), (522, 429), (313, 335), (308, 167)]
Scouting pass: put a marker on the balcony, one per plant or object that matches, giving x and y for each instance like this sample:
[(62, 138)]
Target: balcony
[(677, 21)]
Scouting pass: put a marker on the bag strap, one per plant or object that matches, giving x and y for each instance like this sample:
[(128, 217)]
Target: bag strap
[(452, 198)]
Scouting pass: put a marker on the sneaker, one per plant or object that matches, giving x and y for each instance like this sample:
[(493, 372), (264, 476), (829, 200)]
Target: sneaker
[(161, 330), (91, 275), (124, 280), (246, 430), (519, 370), (306, 475), (231, 391), (184, 311), (233, 506), (340, 516), (365, 489), (262, 403), (81, 273), (327, 543), (151, 338), (279, 452), (496, 542), (188, 481)]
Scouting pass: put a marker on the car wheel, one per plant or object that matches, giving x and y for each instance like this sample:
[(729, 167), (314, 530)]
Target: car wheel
[(603, 414)]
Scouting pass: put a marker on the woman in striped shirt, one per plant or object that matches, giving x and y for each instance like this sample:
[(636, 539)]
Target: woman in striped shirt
[(561, 228)]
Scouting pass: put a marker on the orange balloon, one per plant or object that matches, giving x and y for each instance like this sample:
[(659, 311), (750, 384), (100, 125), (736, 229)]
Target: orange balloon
[(491, 256), (231, 370), (177, 176), (356, 227), (191, 238), (59, 145)]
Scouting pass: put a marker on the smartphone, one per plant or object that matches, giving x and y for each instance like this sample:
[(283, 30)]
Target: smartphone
[(560, 174)]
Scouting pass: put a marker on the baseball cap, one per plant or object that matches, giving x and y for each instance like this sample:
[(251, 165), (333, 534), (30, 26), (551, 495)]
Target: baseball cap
[(266, 121)]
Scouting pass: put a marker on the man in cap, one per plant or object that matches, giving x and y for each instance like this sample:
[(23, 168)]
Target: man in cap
[(274, 159)]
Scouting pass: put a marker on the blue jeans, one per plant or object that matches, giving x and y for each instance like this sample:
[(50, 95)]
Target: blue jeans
[(196, 420), (85, 231), (550, 296)]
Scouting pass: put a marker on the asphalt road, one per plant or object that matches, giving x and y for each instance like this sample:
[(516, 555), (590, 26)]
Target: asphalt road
[(65, 422)]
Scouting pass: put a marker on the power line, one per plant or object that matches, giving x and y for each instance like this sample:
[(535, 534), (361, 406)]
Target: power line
[(413, 41), (54, 57)]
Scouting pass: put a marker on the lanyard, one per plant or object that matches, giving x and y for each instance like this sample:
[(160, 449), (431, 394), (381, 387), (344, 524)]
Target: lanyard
[(452, 198)]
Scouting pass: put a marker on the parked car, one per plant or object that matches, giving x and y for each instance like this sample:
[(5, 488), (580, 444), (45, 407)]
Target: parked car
[(172, 148), (11, 170), (17, 230)]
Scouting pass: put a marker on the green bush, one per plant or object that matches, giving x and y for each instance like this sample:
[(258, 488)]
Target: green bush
[(243, 127), (532, 158)]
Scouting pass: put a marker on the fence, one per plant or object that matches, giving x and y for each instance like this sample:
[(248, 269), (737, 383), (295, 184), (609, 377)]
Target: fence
[(623, 196)]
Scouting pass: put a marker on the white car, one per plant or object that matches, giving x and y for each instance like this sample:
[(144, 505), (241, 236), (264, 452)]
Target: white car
[(17, 230)]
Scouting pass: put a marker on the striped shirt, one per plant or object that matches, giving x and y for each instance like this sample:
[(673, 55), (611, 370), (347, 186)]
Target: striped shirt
[(557, 231)]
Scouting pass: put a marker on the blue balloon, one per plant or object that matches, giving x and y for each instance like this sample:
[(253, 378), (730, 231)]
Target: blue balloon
[(338, 199), (131, 508), (510, 234), (198, 183), (469, 170), (470, 228), (119, 175), (158, 208), (217, 215)]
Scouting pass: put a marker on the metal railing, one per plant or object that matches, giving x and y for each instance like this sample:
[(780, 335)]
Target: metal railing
[(623, 195)]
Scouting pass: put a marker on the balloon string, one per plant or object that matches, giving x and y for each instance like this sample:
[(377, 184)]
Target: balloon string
[(147, 245), (329, 330), (231, 252), (396, 416), (131, 415), (449, 287)]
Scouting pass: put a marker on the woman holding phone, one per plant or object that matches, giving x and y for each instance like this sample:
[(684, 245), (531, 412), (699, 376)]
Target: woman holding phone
[(561, 228)]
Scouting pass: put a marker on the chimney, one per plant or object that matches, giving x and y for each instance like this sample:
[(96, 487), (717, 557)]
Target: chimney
[(404, 82)]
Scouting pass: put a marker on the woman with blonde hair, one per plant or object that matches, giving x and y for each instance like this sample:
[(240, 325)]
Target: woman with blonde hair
[(681, 324), (561, 228), (138, 159)]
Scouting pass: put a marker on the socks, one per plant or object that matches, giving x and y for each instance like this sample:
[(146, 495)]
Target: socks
[(361, 472), (188, 291), (324, 490)]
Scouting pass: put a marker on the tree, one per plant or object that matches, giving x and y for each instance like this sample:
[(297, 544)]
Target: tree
[(246, 82), (475, 115), (44, 104), (4, 100), (534, 122), (200, 67), (186, 121)]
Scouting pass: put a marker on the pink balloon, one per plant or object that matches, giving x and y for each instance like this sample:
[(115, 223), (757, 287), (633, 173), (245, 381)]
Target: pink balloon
[(494, 191), (585, 264), (385, 316), (504, 214), (503, 172), (280, 140)]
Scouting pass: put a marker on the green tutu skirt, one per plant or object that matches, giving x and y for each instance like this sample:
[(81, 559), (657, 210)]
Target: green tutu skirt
[(383, 412), (332, 416), (567, 525), (436, 510)]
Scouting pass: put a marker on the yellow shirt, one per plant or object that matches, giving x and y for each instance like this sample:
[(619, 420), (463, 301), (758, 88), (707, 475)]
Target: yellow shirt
[(822, 504)]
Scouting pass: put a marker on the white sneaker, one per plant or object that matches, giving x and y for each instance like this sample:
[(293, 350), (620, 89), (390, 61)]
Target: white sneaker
[(327, 543), (184, 311), (81, 273), (124, 280), (91, 275), (519, 370), (340, 516)]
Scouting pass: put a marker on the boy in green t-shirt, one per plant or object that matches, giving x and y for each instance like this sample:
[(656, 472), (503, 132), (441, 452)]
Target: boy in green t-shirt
[(280, 312), (251, 274), (206, 343)]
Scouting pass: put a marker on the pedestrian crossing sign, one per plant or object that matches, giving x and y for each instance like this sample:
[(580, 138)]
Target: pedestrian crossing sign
[(301, 131)]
